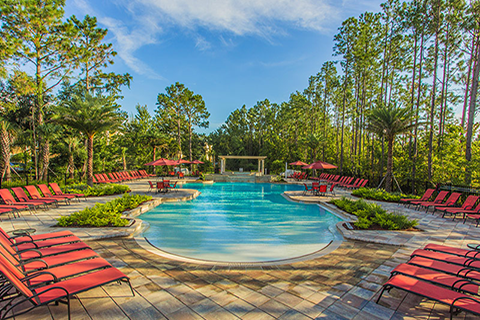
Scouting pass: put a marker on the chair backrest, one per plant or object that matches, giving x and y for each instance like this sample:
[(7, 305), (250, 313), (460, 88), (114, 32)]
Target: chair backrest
[(15, 281), (160, 185), (356, 181), (323, 188), (428, 193), (453, 198), (32, 190), (364, 183), (333, 186), (151, 184), (470, 202), (56, 188), (440, 197), (314, 184), (175, 184), (21, 195), (44, 188), (7, 196)]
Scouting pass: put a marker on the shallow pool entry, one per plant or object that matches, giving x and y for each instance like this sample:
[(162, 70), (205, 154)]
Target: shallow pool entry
[(240, 222)]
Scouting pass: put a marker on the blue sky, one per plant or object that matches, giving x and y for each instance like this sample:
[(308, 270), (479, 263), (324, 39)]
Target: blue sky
[(232, 52)]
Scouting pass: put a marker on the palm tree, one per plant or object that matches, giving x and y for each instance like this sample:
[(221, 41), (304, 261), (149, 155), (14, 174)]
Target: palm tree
[(89, 115), (388, 122)]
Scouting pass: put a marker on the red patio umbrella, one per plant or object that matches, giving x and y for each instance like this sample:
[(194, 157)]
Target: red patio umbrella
[(161, 162), (298, 163), (181, 161), (320, 165)]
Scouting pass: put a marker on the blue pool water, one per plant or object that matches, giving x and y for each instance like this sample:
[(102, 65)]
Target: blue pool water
[(240, 222)]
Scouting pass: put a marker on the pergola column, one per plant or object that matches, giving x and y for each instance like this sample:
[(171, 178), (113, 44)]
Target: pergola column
[(263, 167), (222, 165)]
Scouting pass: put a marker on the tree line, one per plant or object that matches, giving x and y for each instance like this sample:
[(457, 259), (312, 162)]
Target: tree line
[(417, 60), (56, 96)]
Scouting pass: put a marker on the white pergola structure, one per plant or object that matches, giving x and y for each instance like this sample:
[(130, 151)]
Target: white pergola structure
[(261, 162)]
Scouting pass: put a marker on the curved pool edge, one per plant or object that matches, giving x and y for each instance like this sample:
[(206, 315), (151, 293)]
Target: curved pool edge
[(145, 244)]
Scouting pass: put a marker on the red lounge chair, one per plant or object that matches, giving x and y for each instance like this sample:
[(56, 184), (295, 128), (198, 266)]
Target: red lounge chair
[(438, 199), (173, 187), (100, 178), (57, 273), (22, 198), (452, 250), (24, 235), (8, 210), (445, 257), (35, 195), (307, 189), (467, 205), (58, 191), (57, 291), (26, 243), (445, 267), (437, 277), (427, 195), (450, 202), (454, 299), (48, 194), (37, 259), (331, 191)]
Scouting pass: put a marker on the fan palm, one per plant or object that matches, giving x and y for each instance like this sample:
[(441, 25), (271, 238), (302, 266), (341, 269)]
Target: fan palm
[(388, 122), (89, 115)]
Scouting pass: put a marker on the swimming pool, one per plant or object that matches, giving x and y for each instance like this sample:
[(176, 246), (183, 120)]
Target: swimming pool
[(240, 222)]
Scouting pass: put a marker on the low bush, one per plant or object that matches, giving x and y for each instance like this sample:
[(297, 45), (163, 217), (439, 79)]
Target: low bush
[(104, 214), (98, 190), (381, 195), (373, 216)]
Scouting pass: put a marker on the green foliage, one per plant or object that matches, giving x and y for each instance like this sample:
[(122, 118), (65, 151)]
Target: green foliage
[(277, 166), (372, 215), (97, 190), (104, 215), (381, 195)]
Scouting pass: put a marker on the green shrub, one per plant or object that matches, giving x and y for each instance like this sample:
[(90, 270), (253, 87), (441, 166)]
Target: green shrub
[(372, 215), (104, 214), (380, 194), (98, 190)]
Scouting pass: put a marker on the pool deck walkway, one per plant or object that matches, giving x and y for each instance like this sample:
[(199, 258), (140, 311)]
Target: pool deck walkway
[(343, 284)]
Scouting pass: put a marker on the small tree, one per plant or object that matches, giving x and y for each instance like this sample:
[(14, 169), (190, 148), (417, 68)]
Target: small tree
[(89, 115), (388, 122)]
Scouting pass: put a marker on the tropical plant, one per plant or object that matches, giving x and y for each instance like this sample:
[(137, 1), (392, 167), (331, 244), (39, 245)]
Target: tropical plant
[(388, 122), (89, 115)]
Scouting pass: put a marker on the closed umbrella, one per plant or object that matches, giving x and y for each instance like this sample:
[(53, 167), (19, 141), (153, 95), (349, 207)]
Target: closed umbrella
[(197, 162)]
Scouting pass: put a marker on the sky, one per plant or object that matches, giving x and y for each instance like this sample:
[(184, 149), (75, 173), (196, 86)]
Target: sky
[(231, 52)]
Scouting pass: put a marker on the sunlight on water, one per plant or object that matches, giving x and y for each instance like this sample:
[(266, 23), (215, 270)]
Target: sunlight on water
[(240, 222)]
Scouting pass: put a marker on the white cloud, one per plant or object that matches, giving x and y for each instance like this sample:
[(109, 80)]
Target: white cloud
[(260, 17), (145, 21)]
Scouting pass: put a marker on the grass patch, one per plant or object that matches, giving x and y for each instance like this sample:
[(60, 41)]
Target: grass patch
[(381, 195), (98, 190), (373, 216), (104, 214)]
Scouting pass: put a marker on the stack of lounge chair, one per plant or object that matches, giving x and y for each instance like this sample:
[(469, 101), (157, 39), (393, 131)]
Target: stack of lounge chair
[(51, 268), (448, 275), (116, 177)]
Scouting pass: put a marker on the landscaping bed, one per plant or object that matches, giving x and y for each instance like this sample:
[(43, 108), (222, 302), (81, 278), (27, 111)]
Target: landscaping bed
[(104, 214), (371, 216), (98, 190), (380, 195)]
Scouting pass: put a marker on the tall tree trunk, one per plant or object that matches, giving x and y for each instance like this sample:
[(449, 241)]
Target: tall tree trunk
[(434, 89), (467, 84), (417, 112), (45, 159), (471, 115), (71, 163), (344, 103), (5, 151), (389, 176), (90, 160)]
